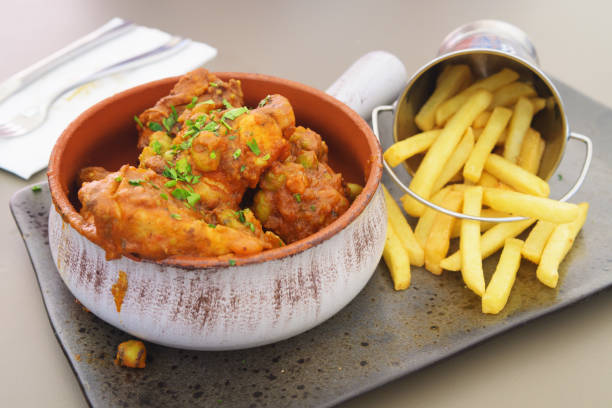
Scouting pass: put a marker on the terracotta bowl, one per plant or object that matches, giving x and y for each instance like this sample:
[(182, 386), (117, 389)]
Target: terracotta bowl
[(204, 303)]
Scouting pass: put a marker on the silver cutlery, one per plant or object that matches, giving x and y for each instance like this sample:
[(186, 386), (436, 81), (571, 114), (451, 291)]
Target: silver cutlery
[(34, 116), (35, 71)]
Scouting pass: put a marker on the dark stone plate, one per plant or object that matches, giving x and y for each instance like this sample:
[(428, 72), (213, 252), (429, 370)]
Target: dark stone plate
[(380, 336)]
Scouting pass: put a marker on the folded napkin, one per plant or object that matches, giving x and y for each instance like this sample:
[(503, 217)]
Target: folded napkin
[(30, 153)]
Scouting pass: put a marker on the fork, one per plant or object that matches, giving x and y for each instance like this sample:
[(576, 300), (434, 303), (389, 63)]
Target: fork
[(32, 117)]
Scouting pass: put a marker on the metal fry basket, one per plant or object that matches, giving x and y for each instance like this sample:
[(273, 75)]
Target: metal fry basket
[(487, 46)]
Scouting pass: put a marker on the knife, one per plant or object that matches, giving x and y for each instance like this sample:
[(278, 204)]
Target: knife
[(112, 29)]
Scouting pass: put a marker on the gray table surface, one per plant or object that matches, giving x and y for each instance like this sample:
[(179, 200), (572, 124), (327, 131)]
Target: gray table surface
[(560, 360)]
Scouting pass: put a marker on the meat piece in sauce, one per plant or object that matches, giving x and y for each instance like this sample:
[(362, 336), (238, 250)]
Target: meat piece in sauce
[(194, 90), (225, 150), (303, 194), (135, 213)]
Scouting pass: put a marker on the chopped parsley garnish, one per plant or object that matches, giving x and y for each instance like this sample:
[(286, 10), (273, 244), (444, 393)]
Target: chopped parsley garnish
[(213, 155), (36, 189), (135, 182), (242, 168), (183, 166), (180, 172), (193, 198), (138, 122), (118, 179), (232, 137), (232, 262), (154, 126), (180, 193), (153, 184), (237, 154), (209, 102), (234, 113), (213, 84), (253, 146), (168, 123), (200, 121), (560, 176), (298, 197), (250, 225), (170, 184), (226, 124), (170, 173), (191, 104), (171, 120), (156, 146), (266, 157), (190, 132), (164, 196), (212, 225), (264, 101), (175, 216), (211, 126), (186, 144), (227, 104), (313, 208)]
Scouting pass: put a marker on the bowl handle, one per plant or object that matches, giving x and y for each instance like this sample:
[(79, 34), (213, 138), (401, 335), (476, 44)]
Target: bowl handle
[(585, 168), (374, 79)]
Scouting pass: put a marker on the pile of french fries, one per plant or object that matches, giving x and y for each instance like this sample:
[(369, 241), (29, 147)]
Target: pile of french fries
[(481, 157)]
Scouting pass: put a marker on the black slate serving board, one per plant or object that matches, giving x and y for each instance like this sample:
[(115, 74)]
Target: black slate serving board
[(378, 337)]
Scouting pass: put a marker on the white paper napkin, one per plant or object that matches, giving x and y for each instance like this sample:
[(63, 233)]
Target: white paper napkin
[(29, 154)]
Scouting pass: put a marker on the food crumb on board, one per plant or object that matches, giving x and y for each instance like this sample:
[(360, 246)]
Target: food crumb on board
[(131, 353)]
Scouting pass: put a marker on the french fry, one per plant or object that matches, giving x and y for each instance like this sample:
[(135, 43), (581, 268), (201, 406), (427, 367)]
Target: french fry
[(456, 161), (558, 245), (403, 230), (515, 176), (500, 285), (538, 104), (442, 148), (490, 242), (502, 138), (485, 144), (400, 151), (469, 242), (484, 226), (443, 74), (491, 84), (438, 240), (397, 259), (460, 187), (508, 95), (520, 122), (423, 227), (530, 206), (536, 241), (532, 150), (487, 180), (451, 81), (481, 120)]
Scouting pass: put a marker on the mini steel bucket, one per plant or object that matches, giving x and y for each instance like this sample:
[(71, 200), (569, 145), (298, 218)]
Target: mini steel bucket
[(487, 46)]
